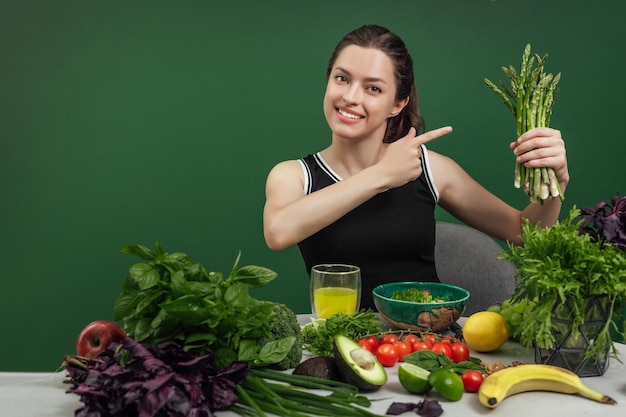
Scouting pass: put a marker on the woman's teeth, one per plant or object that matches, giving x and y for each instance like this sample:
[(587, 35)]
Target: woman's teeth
[(348, 115)]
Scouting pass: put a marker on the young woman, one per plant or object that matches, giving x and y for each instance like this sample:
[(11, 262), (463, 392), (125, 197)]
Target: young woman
[(368, 199)]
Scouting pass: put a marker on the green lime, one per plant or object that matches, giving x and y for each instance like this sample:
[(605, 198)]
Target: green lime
[(414, 378), (447, 383)]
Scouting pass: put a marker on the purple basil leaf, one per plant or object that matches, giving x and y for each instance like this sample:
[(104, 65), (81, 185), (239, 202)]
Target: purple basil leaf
[(132, 379), (396, 409), (154, 401), (429, 408), (222, 394)]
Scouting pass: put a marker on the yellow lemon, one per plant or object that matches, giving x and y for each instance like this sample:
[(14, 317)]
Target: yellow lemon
[(485, 331)]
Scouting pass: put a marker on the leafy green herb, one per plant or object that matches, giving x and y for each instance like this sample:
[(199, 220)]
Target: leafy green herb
[(558, 265), (430, 361), (318, 336), (171, 298), (416, 295)]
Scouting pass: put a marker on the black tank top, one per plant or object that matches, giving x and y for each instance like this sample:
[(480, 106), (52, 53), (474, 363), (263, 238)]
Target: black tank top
[(391, 237)]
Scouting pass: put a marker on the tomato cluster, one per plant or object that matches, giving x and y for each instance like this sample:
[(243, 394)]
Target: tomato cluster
[(392, 348)]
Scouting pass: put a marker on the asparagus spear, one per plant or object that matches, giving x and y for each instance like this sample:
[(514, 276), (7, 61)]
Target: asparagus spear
[(530, 99)]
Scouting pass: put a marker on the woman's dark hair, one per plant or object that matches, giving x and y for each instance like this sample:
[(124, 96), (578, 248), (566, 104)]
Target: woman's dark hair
[(381, 38)]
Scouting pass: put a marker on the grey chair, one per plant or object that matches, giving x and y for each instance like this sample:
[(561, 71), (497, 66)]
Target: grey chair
[(467, 258)]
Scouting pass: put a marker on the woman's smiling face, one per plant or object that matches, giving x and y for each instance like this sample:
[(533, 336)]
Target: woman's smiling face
[(361, 93)]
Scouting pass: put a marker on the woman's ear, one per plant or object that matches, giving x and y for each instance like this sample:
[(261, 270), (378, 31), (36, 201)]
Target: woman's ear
[(397, 108)]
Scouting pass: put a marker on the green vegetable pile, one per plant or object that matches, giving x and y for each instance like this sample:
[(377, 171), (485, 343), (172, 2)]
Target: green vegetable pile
[(318, 336), (171, 298), (530, 99), (198, 343), (416, 296), (559, 266)]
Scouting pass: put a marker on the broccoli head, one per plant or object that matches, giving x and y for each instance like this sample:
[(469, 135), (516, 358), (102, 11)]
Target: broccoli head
[(286, 324)]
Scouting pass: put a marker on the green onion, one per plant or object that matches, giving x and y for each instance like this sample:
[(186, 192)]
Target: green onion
[(293, 396), (530, 99)]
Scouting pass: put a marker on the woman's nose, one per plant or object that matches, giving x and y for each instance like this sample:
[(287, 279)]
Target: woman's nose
[(352, 94)]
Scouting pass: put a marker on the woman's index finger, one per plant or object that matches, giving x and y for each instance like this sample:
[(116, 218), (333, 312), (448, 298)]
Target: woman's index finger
[(434, 134)]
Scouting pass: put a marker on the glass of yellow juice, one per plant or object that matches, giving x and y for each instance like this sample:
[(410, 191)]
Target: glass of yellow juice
[(335, 288)]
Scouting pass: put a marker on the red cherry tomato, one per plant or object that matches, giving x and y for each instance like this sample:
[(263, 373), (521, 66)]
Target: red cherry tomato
[(419, 345), (402, 348), (387, 354), (366, 345), (427, 292), (370, 343), (410, 338), (472, 380), (429, 337), (389, 338), (445, 339), (460, 352), (442, 348)]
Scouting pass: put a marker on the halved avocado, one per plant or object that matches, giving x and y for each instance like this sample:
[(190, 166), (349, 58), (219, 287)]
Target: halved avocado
[(358, 365)]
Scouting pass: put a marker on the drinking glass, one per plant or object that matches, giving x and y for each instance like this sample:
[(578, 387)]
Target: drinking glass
[(335, 288)]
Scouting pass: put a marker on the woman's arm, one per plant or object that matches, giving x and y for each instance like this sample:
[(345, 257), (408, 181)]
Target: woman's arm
[(290, 216), (471, 203)]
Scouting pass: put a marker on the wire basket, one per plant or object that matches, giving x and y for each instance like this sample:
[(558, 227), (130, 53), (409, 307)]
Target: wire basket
[(570, 347)]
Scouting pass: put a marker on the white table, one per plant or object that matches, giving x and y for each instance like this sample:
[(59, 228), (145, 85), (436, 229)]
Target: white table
[(43, 394)]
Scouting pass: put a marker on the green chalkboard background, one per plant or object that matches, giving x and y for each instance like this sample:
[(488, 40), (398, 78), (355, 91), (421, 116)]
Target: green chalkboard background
[(136, 121)]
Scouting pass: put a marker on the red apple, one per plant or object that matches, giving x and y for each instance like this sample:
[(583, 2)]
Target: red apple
[(97, 336)]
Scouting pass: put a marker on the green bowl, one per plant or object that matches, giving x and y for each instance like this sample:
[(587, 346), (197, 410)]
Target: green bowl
[(407, 315)]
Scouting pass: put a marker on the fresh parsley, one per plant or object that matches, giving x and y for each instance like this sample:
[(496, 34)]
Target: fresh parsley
[(560, 264), (318, 336)]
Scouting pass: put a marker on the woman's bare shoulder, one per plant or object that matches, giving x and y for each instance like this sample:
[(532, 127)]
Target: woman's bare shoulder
[(290, 166)]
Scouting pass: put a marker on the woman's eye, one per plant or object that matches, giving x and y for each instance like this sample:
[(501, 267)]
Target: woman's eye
[(374, 89), (341, 79)]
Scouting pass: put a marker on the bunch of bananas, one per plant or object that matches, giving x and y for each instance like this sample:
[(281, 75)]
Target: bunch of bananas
[(534, 377)]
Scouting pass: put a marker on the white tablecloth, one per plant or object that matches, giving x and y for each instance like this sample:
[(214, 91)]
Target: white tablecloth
[(43, 395)]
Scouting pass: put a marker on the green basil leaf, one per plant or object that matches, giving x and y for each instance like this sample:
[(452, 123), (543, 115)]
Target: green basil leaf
[(461, 367), (255, 276), (196, 272), (426, 359), (179, 285), (160, 252), (202, 288), (203, 337), (247, 350), (257, 317), (274, 351), (237, 295), (148, 304), (144, 275), (124, 305), (189, 309), (139, 251), (143, 329)]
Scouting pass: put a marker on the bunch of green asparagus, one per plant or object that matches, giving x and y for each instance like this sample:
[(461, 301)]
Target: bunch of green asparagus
[(530, 98)]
